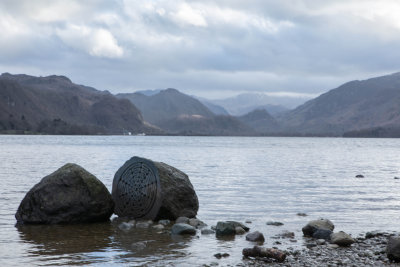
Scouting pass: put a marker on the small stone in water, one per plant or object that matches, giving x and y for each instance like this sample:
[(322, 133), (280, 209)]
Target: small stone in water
[(274, 223), (302, 214), (158, 226), (248, 221), (182, 220), (359, 176), (164, 222), (207, 232), (125, 226)]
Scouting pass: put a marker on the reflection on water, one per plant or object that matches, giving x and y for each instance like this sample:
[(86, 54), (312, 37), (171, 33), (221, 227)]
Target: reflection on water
[(257, 179)]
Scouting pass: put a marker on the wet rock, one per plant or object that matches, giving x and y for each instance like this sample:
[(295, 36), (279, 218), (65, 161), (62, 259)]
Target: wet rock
[(342, 239), (169, 192), (322, 234), (236, 224), (239, 230), (137, 246), (302, 214), (255, 237), (158, 227), (164, 222), (178, 195), (274, 223), (359, 176), (69, 195), (393, 249), (197, 223), (125, 226), (207, 232), (248, 221), (182, 220), (396, 178), (225, 229), (261, 252), (373, 234), (314, 225), (321, 242), (221, 255), (183, 229), (285, 234), (143, 224)]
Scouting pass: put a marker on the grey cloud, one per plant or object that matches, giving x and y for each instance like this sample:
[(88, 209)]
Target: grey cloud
[(215, 48)]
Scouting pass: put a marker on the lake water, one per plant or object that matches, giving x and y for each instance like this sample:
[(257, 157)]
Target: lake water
[(236, 178)]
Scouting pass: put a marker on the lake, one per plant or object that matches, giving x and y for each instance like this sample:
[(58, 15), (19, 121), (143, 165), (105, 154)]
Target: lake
[(236, 178)]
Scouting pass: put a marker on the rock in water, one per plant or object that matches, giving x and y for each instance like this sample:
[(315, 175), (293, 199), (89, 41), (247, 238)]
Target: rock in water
[(342, 239), (255, 237), (393, 249), (314, 225), (322, 234), (225, 229), (153, 190), (69, 195), (183, 229)]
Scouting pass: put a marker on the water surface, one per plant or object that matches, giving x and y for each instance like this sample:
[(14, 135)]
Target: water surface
[(236, 178)]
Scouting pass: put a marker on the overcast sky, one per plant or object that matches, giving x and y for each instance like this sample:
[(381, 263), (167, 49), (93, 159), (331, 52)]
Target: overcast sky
[(207, 48)]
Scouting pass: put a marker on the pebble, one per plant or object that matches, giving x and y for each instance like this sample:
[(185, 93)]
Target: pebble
[(274, 223)]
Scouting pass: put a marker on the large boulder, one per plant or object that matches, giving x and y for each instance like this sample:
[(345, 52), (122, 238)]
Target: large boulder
[(69, 195), (153, 190), (314, 225)]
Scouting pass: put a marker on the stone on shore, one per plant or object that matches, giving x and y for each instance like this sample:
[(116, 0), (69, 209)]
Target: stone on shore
[(393, 249), (183, 229), (342, 239), (69, 195), (182, 220), (197, 223), (255, 237), (314, 225), (236, 224)]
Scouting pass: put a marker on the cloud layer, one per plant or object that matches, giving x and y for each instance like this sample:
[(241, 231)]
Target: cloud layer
[(208, 48)]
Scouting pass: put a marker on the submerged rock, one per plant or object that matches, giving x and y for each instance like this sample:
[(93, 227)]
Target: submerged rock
[(183, 229), (274, 223), (69, 195), (207, 232), (359, 176), (314, 225)]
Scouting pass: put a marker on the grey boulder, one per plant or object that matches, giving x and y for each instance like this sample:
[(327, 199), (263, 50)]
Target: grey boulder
[(314, 225), (255, 237), (69, 195), (393, 249), (322, 234), (342, 239)]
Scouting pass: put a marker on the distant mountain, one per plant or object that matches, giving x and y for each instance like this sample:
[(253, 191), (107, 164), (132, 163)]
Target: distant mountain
[(261, 121), (55, 105), (245, 103), (216, 109), (354, 106), (149, 92), (166, 104), (178, 113)]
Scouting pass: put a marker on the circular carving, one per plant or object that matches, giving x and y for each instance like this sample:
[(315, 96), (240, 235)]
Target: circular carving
[(136, 189)]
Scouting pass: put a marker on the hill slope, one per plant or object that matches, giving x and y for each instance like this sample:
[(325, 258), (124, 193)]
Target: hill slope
[(353, 106), (260, 120), (165, 105), (55, 105)]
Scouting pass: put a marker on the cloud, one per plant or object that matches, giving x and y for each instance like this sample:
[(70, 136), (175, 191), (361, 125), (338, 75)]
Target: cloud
[(203, 47), (96, 42)]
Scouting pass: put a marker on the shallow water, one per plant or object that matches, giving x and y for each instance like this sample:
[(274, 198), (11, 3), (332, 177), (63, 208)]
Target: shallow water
[(236, 178)]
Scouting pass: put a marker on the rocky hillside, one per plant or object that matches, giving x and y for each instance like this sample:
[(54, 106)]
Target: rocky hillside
[(260, 120), (55, 105), (166, 105), (354, 106), (178, 113)]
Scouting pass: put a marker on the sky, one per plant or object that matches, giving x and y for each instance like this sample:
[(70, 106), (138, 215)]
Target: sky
[(214, 49)]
